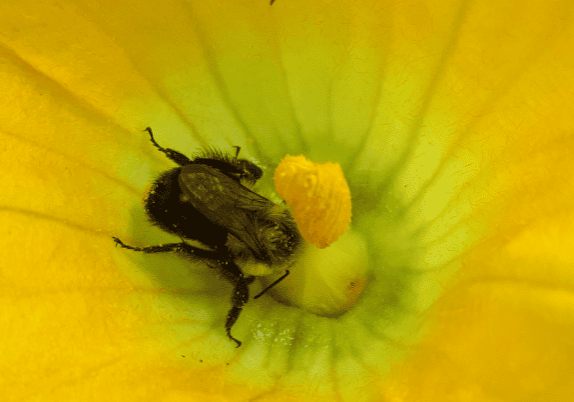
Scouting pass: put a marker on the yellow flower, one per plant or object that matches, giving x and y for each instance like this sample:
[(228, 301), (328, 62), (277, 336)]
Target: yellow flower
[(451, 120)]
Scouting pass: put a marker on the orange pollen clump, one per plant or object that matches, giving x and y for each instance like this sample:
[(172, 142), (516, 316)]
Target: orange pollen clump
[(318, 195)]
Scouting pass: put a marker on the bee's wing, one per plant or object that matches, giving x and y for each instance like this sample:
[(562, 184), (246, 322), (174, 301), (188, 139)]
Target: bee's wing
[(224, 201)]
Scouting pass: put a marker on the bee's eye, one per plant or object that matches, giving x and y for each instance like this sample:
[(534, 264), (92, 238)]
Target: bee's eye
[(250, 172)]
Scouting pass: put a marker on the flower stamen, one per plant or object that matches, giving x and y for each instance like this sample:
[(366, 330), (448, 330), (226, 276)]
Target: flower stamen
[(318, 195)]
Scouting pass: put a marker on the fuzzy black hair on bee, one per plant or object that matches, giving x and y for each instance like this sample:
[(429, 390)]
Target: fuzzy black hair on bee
[(208, 199)]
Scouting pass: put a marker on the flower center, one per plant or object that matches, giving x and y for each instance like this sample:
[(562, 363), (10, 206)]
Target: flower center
[(328, 278), (326, 282)]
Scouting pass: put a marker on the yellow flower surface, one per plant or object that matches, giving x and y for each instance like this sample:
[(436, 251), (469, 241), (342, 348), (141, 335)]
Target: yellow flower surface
[(452, 122)]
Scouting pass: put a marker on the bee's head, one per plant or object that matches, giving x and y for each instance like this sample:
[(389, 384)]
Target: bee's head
[(241, 169), (250, 172), (246, 172)]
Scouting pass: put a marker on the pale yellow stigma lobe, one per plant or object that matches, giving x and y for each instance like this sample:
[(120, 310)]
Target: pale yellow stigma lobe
[(319, 197)]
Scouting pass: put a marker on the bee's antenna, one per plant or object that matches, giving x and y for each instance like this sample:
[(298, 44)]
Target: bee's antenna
[(237, 152), (273, 284)]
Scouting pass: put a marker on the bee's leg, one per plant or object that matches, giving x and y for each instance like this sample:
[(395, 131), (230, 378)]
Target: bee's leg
[(238, 299), (175, 156), (229, 270), (273, 284), (182, 247)]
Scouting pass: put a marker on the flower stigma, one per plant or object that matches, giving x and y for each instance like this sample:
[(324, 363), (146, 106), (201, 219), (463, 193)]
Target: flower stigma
[(326, 279), (318, 195)]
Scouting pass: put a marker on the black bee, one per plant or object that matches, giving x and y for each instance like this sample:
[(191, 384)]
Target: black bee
[(207, 199)]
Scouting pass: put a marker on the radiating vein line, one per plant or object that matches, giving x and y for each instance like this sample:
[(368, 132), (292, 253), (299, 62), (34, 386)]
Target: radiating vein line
[(80, 162), (435, 80), (55, 219), (207, 50)]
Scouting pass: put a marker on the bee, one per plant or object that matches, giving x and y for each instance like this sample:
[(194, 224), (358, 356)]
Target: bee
[(208, 199)]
